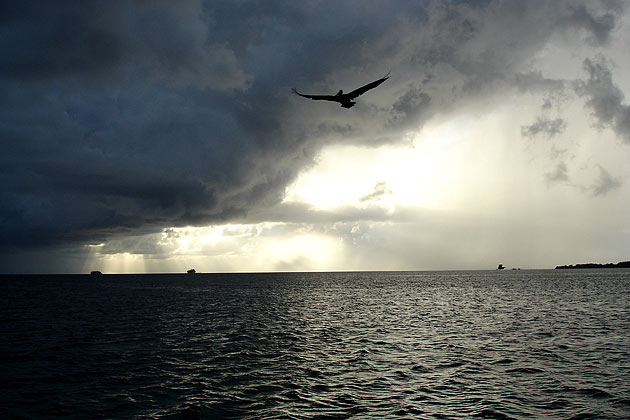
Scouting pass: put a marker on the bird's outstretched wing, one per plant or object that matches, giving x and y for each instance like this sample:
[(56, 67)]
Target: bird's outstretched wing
[(365, 88), (317, 97)]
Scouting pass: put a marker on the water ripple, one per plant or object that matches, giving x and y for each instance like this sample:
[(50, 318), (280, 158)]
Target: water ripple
[(527, 344)]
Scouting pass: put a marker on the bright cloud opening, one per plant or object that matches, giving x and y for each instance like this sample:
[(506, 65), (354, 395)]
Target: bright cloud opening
[(447, 164)]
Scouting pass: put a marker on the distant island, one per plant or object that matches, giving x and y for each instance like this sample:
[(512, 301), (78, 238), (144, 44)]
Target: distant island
[(622, 264)]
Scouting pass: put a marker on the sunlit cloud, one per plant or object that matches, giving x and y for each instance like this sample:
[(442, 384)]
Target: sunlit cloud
[(232, 247)]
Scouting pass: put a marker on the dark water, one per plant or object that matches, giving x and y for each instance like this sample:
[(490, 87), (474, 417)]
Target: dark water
[(511, 344)]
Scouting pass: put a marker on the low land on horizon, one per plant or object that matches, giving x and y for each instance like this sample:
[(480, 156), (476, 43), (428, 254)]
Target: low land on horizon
[(622, 264)]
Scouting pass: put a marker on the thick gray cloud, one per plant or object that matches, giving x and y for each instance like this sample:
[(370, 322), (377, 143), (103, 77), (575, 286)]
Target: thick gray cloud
[(598, 26), (380, 190), (558, 175), (125, 117), (605, 183), (104, 41), (412, 108), (301, 213), (604, 98), (545, 127)]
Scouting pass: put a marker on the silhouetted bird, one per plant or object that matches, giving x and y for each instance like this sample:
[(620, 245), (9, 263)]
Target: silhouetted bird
[(345, 99)]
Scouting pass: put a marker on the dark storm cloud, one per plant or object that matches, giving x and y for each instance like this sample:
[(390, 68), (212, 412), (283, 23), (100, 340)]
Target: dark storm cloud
[(604, 98), (104, 41), (124, 117)]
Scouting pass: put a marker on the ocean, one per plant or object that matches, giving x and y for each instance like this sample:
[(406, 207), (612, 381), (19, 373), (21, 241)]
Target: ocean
[(551, 344)]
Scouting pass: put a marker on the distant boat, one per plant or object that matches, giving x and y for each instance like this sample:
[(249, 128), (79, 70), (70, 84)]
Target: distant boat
[(191, 271), (96, 273), (500, 267)]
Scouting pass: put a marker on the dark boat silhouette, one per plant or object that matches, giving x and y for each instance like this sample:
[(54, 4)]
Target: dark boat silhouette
[(96, 273), (345, 99), (500, 267), (191, 271)]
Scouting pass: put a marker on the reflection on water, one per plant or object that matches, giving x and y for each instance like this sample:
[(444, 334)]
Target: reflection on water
[(541, 344)]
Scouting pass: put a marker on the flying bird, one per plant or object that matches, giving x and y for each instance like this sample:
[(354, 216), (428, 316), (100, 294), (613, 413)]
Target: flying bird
[(345, 99)]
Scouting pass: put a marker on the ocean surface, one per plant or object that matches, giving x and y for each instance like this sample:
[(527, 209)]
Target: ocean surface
[(552, 344)]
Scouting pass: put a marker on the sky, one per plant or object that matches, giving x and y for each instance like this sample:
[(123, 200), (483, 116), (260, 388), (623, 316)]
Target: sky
[(161, 136)]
